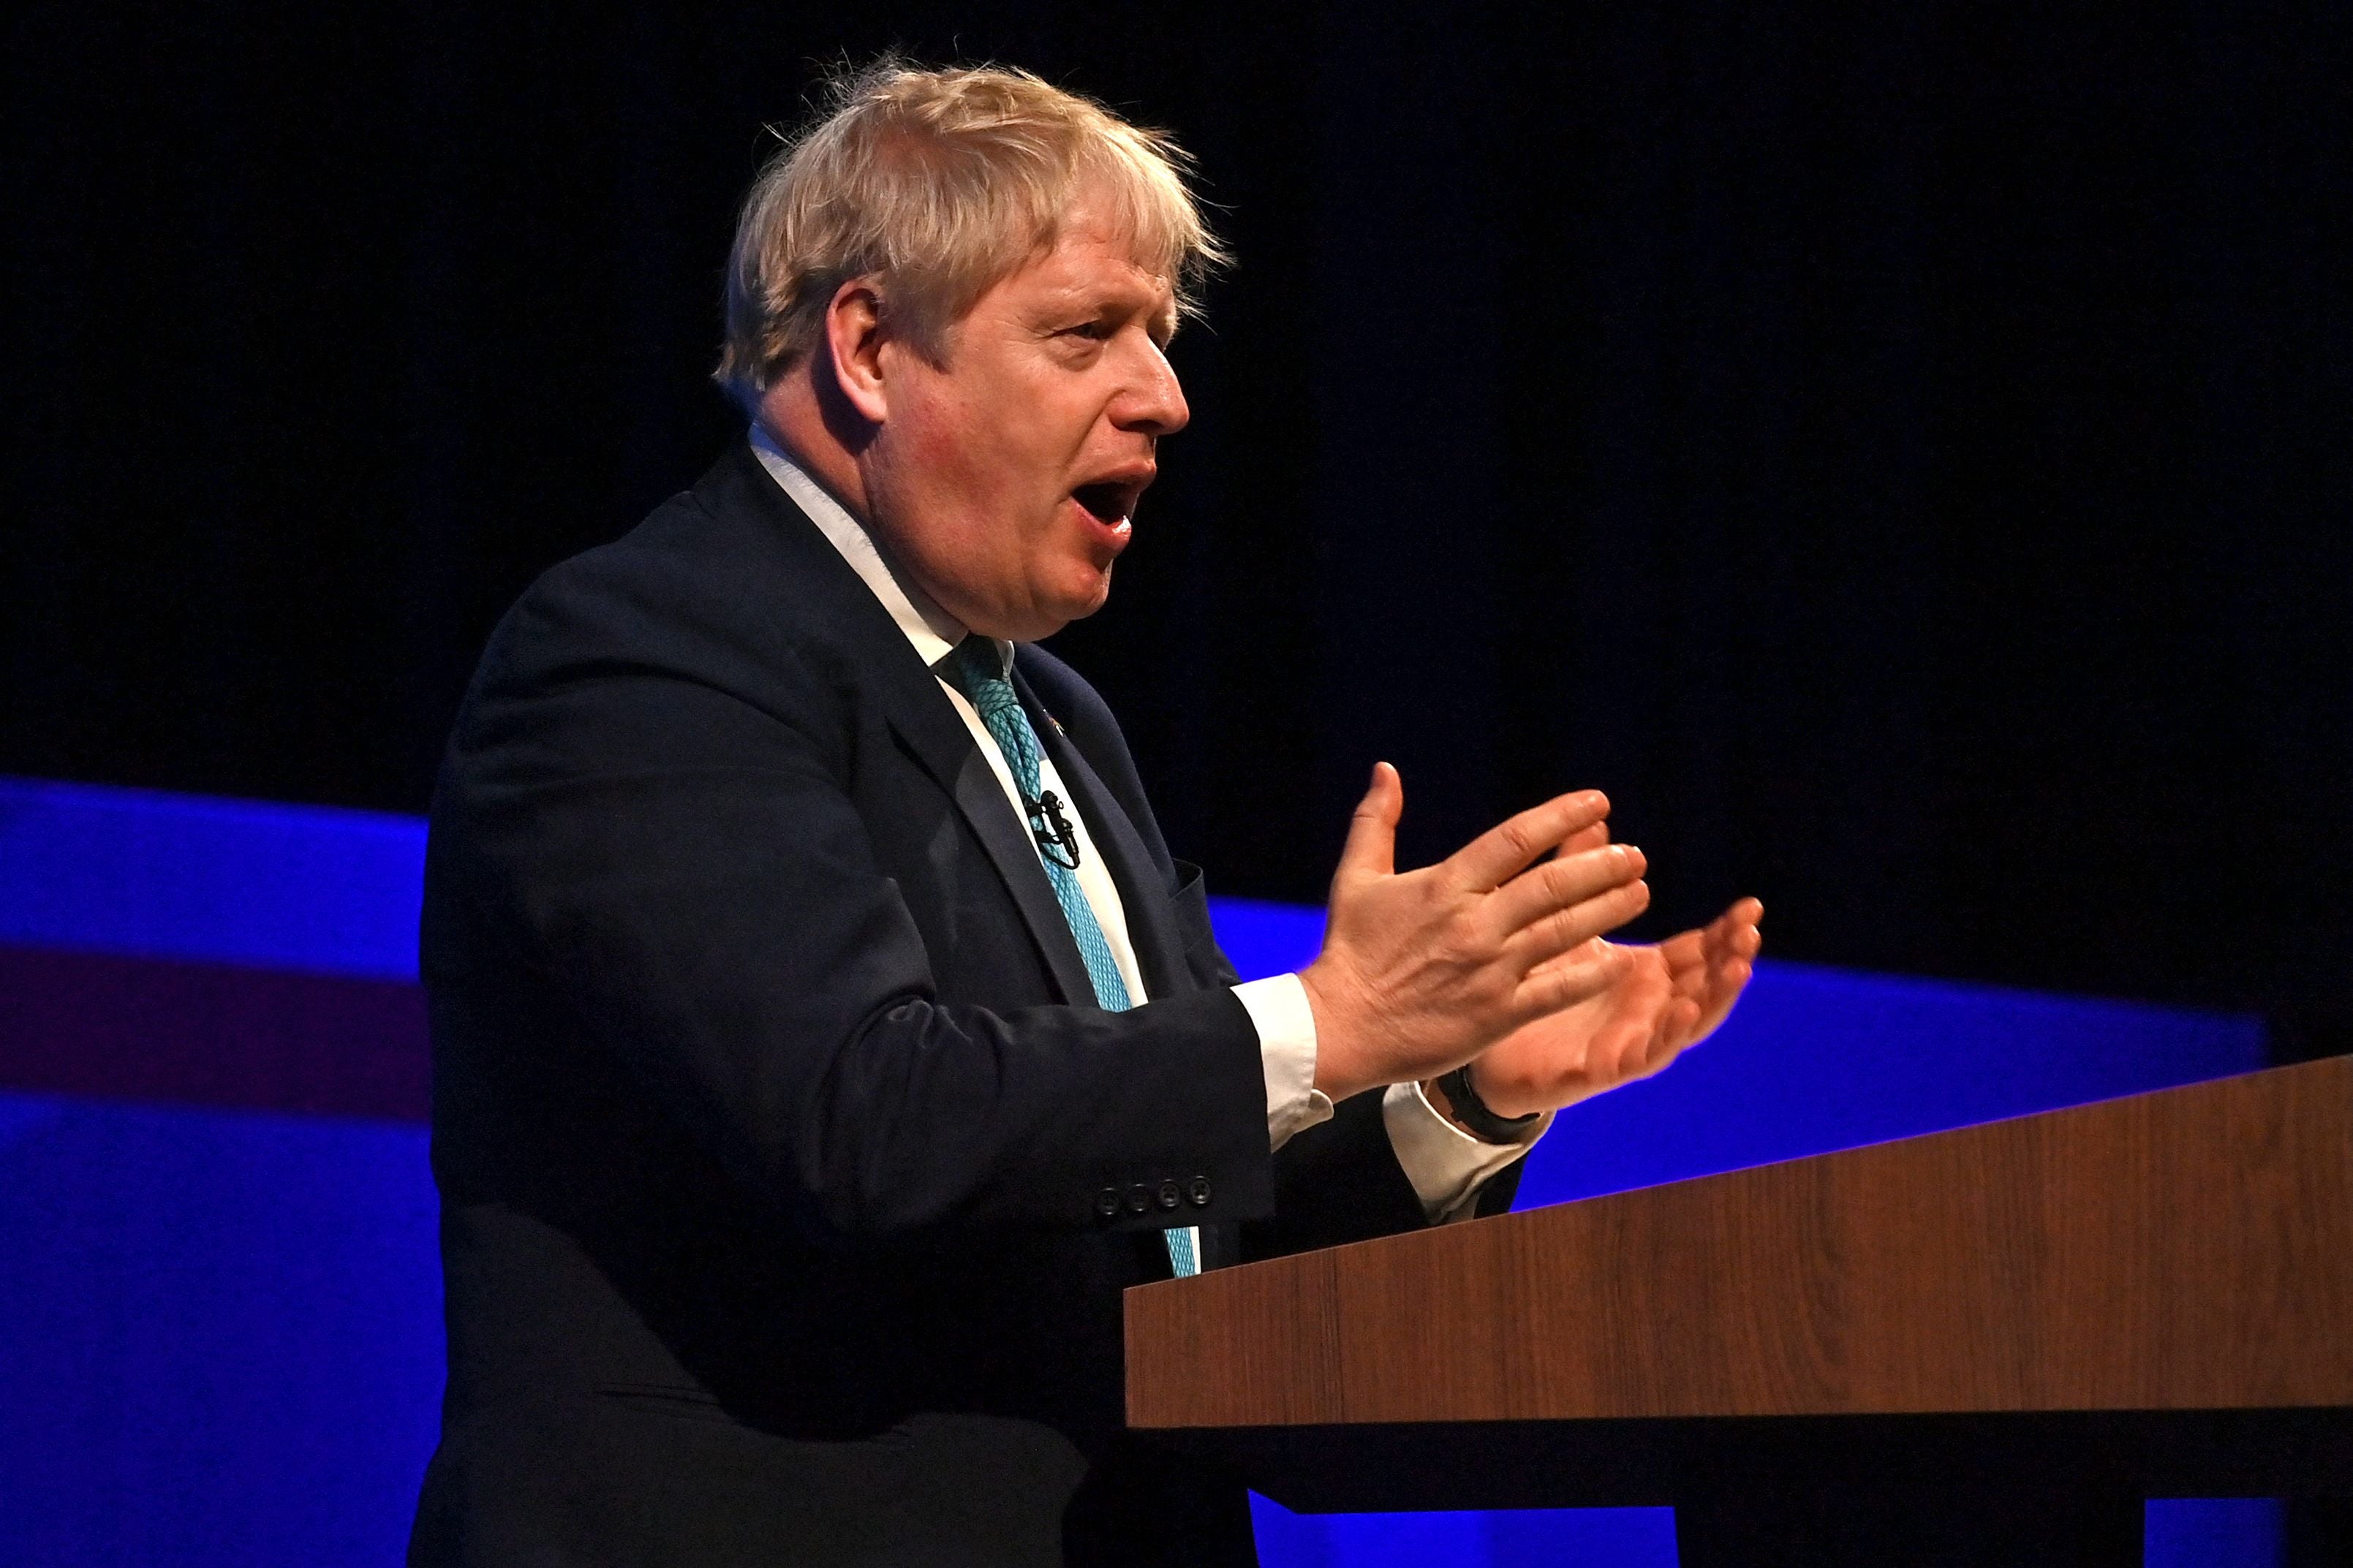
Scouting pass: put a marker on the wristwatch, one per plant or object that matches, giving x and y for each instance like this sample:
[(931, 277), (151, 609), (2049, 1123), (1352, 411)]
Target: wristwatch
[(1472, 1113)]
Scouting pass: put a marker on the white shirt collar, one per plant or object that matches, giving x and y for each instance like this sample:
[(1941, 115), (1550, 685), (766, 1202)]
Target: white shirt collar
[(933, 632)]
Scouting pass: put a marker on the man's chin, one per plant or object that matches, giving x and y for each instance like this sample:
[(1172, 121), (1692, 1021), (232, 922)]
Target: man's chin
[(1049, 613), (1098, 592), (1086, 603)]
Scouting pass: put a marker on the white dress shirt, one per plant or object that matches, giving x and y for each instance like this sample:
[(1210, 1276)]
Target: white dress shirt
[(1444, 1163)]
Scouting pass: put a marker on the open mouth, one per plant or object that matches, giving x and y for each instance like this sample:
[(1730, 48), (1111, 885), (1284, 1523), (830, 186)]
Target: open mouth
[(1107, 502)]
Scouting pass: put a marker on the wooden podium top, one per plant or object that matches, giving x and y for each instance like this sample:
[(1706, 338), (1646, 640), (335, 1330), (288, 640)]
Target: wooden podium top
[(2185, 1250)]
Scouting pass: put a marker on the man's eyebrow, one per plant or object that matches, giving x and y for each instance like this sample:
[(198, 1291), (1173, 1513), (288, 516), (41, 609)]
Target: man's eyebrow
[(1094, 303)]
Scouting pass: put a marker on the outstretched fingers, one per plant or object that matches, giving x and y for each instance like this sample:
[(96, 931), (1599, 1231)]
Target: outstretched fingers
[(1489, 860), (1713, 964), (1733, 943), (1371, 848), (1565, 979), (1561, 903), (1590, 970), (1591, 837)]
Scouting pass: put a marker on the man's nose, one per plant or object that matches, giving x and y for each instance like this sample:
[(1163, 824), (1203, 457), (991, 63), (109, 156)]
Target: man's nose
[(1153, 402)]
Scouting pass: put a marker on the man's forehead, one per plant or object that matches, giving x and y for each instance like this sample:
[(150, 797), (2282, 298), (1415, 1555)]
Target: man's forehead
[(1093, 262), (1083, 280)]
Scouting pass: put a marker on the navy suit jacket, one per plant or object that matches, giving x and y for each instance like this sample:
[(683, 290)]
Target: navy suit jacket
[(790, 1177)]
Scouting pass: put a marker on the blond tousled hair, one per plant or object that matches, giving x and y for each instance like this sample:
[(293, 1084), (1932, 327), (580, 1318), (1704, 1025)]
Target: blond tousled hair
[(938, 183)]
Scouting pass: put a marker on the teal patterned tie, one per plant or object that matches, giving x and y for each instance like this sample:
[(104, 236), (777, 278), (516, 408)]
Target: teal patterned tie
[(977, 669)]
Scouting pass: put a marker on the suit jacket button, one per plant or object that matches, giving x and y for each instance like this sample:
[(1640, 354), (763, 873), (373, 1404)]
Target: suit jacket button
[(1139, 1198), (1107, 1202), (1199, 1191), (1170, 1196)]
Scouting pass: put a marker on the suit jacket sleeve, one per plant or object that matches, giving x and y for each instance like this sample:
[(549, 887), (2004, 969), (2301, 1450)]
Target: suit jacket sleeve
[(657, 821)]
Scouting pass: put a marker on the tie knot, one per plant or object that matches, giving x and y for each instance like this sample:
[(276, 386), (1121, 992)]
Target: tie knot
[(976, 669)]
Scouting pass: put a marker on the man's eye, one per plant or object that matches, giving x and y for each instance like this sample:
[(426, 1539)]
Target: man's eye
[(1096, 331)]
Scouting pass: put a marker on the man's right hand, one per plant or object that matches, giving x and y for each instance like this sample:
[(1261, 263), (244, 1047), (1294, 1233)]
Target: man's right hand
[(1423, 970)]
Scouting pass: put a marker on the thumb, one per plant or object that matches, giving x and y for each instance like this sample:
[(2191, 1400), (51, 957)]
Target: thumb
[(1371, 849)]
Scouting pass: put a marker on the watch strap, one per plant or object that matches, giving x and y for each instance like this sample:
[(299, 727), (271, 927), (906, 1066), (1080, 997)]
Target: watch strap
[(1473, 1113)]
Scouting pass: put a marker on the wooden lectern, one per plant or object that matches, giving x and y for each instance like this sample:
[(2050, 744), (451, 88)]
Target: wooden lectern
[(1982, 1346)]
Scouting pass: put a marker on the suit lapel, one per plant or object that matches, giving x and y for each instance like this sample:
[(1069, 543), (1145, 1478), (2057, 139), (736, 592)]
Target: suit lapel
[(918, 712), (936, 738), (1151, 930)]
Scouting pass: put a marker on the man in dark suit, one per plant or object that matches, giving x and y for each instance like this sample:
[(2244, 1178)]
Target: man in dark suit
[(824, 1035)]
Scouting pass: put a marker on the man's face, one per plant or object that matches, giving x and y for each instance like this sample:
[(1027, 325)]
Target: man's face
[(1005, 481)]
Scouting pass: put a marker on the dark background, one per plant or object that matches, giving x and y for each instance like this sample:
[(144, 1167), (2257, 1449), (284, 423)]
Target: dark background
[(1900, 452)]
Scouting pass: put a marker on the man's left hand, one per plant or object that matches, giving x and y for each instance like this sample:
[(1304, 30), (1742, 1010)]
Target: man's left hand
[(1670, 996)]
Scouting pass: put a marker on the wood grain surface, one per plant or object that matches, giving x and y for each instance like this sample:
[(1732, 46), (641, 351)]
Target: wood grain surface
[(2190, 1249)]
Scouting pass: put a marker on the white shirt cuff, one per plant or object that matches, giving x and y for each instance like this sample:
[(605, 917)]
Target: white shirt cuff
[(1286, 1051), (1446, 1165)]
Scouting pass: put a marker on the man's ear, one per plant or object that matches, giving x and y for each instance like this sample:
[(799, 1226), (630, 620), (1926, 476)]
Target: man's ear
[(853, 331)]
